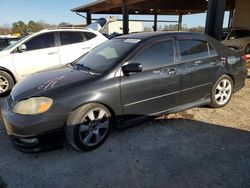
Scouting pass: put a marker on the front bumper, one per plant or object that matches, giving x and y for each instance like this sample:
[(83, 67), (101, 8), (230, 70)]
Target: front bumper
[(23, 128)]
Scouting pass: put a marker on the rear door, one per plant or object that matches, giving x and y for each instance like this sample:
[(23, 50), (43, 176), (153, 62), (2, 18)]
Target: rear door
[(73, 44), (200, 68), (157, 87), (41, 53)]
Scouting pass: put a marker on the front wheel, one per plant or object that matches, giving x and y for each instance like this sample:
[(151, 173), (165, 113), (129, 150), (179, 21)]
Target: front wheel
[(88, 127), (222, 92), (6, 82)]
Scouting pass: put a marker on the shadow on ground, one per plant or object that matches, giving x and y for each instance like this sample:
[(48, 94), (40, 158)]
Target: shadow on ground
[(161, 153)]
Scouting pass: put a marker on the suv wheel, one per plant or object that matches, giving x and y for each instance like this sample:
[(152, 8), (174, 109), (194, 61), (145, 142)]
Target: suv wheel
[(6, 82), (222, 92), (88, 127)]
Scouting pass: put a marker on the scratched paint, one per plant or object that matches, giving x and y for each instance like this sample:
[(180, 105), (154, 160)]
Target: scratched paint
[(50, 83)]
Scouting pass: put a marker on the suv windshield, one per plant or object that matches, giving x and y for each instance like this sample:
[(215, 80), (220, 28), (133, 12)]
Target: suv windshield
[(107, 54)]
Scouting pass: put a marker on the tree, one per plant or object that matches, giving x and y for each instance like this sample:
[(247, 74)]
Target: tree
[(19, 27)]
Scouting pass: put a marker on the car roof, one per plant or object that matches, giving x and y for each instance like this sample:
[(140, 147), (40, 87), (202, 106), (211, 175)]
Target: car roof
[(149, 35), (65, 29)]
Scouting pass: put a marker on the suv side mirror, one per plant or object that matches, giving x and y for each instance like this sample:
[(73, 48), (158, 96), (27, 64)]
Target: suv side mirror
[(22, 48), (131, 68)]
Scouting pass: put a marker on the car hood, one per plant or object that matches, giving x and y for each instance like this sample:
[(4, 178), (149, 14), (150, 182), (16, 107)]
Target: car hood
[(40, 83)]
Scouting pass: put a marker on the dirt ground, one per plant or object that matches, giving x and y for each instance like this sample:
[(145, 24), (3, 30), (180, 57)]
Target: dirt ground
[(201, 147)]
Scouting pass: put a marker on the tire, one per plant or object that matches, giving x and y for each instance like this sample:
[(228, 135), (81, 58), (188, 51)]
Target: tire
[(222, 92), (88, 127), (6, 82), (247, 49)]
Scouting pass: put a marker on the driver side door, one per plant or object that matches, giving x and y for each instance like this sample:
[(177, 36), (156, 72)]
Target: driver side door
[(157, 87)]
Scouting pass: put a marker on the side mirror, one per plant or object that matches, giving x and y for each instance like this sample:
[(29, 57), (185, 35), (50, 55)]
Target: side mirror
[(231, 38), (131, 68), (22, 48)]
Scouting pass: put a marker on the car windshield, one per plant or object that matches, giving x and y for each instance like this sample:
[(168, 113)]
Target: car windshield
[(106, 55)]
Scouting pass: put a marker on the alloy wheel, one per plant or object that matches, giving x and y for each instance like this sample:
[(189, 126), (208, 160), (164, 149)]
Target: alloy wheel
[(4, 84), (223, 92), (94, 127)]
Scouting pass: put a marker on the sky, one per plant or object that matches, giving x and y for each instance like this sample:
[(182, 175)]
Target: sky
[(55, 12)]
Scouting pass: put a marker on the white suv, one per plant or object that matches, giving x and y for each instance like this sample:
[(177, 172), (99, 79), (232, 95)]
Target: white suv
[(42, 50)]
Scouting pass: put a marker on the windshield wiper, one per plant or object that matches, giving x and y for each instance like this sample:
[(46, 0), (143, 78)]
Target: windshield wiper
[(82, 67)]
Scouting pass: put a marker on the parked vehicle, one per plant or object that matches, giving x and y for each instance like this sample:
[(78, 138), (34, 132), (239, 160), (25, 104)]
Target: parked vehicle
[(123, 80), (237, 39), (7, 41), (47, 48)]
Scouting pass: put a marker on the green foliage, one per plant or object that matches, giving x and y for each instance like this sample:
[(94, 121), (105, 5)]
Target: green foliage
[(23, 29)]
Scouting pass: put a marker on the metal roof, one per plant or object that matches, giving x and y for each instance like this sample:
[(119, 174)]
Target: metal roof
[(161, 7)]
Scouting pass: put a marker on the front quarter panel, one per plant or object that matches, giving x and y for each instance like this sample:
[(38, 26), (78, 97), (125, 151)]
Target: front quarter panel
[(103, 90), (6, 63)]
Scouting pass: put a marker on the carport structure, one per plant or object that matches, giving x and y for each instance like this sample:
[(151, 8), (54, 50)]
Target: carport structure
[(215, 11)]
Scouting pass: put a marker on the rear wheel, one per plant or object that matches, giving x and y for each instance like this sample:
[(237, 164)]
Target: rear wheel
[(247, 50), (88, 127), (222, 92), (6, 82)]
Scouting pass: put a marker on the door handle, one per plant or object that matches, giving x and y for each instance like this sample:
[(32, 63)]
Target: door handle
[(172, 72), (86, 48), (52, 53)]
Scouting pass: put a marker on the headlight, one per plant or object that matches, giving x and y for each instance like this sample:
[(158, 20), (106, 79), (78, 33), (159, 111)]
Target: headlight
[(33, 106)]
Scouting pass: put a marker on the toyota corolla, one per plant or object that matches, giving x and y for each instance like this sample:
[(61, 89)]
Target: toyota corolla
[(123, 80)]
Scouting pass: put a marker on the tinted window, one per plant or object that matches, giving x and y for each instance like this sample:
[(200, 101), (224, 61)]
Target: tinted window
[(242, 33), (157, 55), (41, 41), (193, 49), (70, 37), (89, 35)]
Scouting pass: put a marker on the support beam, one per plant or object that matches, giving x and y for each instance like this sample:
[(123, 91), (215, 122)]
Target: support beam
[(155, 22), (215, 18), (88, 18), (180, 23), (125, 17), (230, 20)]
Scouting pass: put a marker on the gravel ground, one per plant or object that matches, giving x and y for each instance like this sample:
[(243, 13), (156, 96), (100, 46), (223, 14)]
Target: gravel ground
[(201, 147)]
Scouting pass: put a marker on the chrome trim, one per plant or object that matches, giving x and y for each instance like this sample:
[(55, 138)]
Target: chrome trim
[(151, 98), (196, 87)]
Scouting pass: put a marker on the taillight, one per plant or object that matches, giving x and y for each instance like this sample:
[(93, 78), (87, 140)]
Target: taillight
[(244, 57)]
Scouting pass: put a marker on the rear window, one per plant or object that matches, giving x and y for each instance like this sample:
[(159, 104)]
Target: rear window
[(70, 37), (193, 49)]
